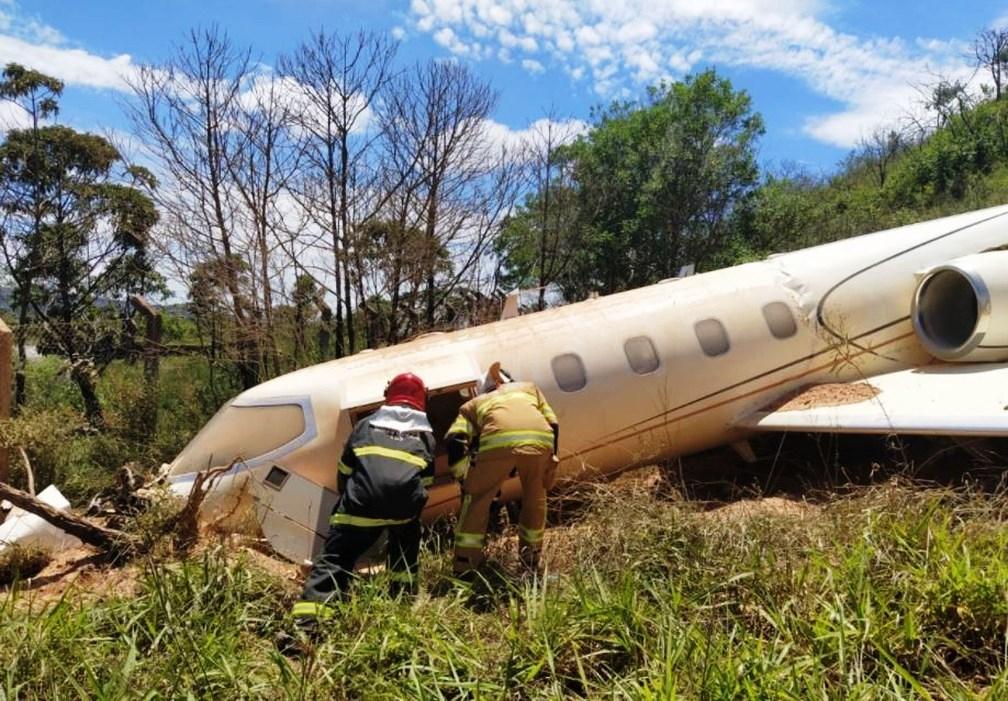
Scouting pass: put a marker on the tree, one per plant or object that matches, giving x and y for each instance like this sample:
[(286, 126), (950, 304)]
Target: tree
[(38, 96), (990, 48), (210, 305), (339, 78), (550, 216), (261, 165), (453, 183), (75, 239), (186, 111), (401, 263), (304, 295), (879, 150), (657, 182), (540, 241)]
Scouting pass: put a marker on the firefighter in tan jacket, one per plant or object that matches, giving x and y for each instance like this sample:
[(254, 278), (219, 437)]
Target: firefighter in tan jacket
[(509, 426)]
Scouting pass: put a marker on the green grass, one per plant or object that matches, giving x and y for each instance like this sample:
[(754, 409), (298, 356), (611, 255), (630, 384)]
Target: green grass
[(890, 593)]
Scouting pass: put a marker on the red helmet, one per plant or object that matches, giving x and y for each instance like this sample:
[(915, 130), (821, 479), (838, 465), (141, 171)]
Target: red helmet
[(406, 388)]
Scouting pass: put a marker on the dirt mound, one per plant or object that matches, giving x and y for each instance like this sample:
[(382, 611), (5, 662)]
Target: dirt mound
[(766, 507), (81, 570), (831, 394)]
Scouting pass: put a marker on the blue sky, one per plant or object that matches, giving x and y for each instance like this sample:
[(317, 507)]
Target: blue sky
[(823, 74)]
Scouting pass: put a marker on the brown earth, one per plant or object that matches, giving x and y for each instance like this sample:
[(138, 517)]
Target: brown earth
[(79, 571), (83, 573), (831, 394)]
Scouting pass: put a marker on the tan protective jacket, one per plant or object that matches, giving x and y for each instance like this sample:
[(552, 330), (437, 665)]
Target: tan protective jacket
[(514, 416)]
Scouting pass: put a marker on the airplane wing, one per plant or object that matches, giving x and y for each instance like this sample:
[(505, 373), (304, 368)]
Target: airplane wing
[(961, 400)]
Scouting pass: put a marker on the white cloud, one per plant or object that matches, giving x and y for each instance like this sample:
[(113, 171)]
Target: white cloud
[(72, 66), (14, 21), (999, 22), (636, 42), (30, 42), (13, 117), (563, 131), (297, 99), (532, 66)]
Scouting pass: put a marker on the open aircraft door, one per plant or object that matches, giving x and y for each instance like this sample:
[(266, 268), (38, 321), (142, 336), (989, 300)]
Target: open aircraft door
[(451, 382), (293, 511)]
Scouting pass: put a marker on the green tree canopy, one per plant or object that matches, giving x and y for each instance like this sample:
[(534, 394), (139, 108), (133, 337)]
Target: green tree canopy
[(75, 232), (657, 183)]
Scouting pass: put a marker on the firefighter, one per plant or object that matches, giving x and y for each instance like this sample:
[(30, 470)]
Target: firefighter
[(510, 427), (387, 465)]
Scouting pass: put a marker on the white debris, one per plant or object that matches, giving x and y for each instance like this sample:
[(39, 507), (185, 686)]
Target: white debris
[(23, 528)]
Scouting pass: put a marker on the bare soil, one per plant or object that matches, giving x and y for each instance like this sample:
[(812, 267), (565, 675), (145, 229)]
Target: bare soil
[(80, 570), (831, 394), (776, 507), (86, 575)]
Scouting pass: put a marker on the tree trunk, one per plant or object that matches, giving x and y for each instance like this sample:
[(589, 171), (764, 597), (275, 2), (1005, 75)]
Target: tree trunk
[(5, 392), (98, 536), (431, 232), (19, 376), (152, 360), (92, 405)]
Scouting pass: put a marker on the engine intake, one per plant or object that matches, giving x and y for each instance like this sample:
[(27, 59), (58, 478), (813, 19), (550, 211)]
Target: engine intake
[(960, 309)]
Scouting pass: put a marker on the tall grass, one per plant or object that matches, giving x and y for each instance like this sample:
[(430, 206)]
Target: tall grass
[(889, 593)]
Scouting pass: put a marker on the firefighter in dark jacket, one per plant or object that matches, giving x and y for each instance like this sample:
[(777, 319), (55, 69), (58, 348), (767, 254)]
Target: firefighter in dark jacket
[(511, 428), (387, 465)]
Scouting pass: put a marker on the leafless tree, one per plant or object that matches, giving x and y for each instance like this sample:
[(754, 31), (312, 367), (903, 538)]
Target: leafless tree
[(185, 112), (339, 77), (260, 166), (435, 116), (990, 49), (550, 177), (879, 150)]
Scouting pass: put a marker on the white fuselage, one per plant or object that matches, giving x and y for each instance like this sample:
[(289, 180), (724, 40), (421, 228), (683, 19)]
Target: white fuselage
[(848, 303)]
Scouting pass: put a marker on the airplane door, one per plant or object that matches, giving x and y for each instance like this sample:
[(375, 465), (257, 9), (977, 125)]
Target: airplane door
[(443, 404), (293, 513)]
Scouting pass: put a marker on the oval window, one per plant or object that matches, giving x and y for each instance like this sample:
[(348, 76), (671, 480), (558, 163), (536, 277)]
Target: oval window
[(569, 372), (779, 320), (641, 354), (712, 336)]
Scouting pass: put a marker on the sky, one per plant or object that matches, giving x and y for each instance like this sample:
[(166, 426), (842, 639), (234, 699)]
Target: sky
[(824, 74)]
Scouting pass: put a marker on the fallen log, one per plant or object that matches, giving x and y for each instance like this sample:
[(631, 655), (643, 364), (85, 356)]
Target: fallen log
[(106, 539)]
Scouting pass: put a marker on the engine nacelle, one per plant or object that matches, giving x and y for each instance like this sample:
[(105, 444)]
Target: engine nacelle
[(960, 309)]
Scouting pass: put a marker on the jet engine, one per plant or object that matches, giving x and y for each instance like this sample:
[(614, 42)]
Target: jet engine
[(960, 309)]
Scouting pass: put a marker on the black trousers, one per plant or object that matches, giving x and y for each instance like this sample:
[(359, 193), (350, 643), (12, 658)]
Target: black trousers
[(332, 572)]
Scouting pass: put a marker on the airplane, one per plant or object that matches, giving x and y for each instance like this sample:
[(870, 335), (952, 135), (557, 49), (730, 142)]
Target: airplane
[(912, 323)]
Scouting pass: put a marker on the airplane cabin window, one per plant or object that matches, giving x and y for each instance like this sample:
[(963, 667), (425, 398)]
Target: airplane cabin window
[(242, 433), (569, 372), (779, 320), (712, 337), (641, 354)]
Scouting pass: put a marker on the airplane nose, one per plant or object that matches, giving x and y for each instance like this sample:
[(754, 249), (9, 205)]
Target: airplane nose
[(243, 434)]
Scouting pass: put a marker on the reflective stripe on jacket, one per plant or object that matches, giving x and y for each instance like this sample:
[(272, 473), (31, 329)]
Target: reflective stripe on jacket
[(515, 415), (385, 469)]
